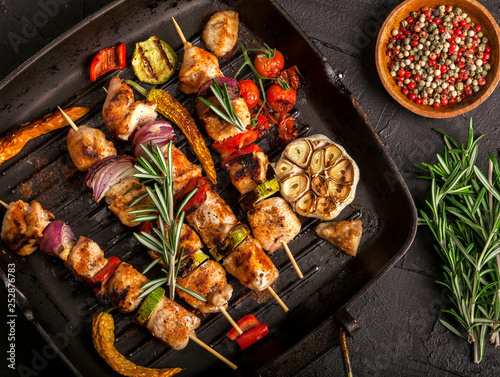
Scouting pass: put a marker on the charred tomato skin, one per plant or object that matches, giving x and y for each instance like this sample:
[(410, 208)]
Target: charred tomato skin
[(269, 67), (281, 100), (250, 92)]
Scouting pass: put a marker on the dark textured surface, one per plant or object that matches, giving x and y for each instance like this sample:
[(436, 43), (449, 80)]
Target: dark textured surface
[(400, 334)]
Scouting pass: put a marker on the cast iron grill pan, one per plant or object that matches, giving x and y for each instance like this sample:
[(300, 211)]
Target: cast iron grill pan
[(62, 308)]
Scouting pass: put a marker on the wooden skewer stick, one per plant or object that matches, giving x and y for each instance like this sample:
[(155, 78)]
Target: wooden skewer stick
[(193, 337), (179, 31), (277, 298), (4, 204), (70, 121), (231, 321), (292, 259)]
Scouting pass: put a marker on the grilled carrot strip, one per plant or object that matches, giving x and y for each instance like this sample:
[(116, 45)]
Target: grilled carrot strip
[(171, 109), (15, 139)]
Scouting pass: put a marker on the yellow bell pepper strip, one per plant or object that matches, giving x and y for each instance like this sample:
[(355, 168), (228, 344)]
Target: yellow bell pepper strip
[(171, 109), (103, 327), (15, 139)]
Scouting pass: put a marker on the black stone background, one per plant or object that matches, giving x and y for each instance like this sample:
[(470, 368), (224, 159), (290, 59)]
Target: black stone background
[(400, 334)]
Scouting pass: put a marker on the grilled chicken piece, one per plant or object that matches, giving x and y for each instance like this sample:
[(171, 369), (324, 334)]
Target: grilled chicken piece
[(23, 225), (189, 240), (87, 146), (118, 100), (138, 114), (121, 115), (119, 200), (221, 33), (345, 235), (183, 170), (251, 266), (248, 170), (209, 280), (198, 67), (85, 259), (219, 129), (124, 287), (172, 324), (213, 219), (273, 222)]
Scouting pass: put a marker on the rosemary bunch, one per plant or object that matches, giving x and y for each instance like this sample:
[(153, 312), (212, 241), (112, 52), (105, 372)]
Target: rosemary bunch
[(227, 113), (463, 214), (160, 208)]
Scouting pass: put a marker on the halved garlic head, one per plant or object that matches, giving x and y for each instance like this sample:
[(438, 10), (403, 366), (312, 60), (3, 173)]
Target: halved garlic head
[(317, 176)]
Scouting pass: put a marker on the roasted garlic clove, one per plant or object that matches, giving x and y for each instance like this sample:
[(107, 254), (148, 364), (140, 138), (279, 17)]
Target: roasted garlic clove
[(342, 172), (299, 152), (345, 235), (317, 162), (319, 185), (284, 168), (306, 205), (295, 186)]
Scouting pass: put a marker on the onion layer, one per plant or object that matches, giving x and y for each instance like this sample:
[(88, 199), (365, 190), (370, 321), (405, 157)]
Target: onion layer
[(205, 92), (157, 132), (58, 239), (107, 173)]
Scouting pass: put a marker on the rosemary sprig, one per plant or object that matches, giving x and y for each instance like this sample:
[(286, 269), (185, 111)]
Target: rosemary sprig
[(165, 240), (227, 113), (463, 214)]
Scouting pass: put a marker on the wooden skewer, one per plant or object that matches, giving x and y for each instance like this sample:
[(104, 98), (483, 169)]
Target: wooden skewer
[(292, 259), (179, 31), (70, 121), (231, 321), (193, 337), (277, 298), (4, 204)]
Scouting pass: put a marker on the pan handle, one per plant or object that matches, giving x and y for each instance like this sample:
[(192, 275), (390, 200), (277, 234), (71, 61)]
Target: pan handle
[(348, 322)]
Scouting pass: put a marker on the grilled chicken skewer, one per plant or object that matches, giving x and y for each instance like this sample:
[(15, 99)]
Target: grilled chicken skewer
[(169, 322), (213, 220), (198, 66), (274, 224), (206, 277), (221, 33), (87, 145)]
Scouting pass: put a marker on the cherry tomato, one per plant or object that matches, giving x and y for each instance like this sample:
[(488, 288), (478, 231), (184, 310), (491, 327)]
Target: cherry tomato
[(281, 100), (268, 65), (262, 125), (250, 92)]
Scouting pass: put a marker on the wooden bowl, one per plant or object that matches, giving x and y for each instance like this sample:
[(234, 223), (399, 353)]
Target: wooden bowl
[(478, 14)]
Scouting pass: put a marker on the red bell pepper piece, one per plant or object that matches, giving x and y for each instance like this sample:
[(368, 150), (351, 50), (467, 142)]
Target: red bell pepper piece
[(249, 149), (250, 337), (202, 184), (97, 281), (246, 323), (107, 60), (235, 143)]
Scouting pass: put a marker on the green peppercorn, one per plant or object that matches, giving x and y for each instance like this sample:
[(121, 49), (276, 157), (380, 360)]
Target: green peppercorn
[(413, 14), (458, 99), (487, 67), (431, 101), (480, 34), (458, 11), (404, 23), (484, 40)]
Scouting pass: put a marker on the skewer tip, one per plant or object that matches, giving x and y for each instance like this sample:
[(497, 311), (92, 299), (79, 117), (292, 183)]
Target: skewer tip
[(231, 320), (4, 204), (277, 298), (179, 31), (68, 119), (193, 337), (292, 259)]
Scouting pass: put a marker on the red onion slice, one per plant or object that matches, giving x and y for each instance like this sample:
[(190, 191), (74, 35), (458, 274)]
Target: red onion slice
[(158, 132), (107, 173), (58, 239)]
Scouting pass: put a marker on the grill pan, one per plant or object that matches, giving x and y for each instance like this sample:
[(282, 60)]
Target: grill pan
[(61, 308)]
